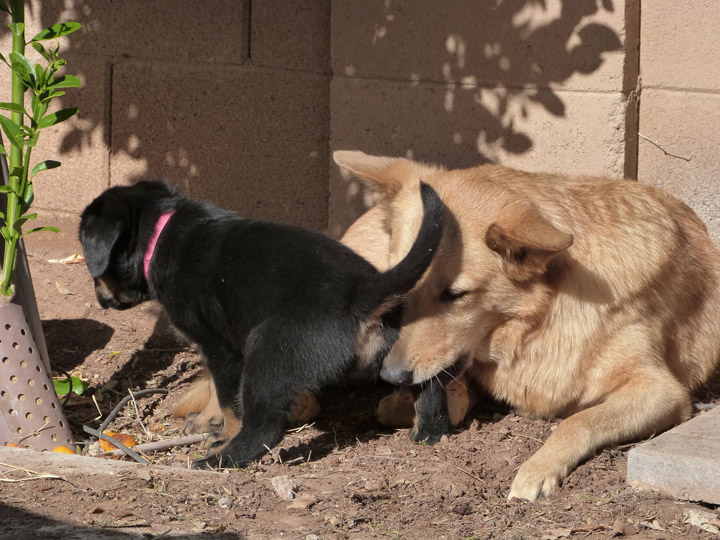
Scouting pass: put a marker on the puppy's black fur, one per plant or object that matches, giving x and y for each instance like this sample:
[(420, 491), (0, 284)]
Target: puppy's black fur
[(275, 309)]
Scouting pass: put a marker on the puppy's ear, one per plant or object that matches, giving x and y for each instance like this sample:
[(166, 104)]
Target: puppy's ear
[(383, 174), (99, 235), (526, 241)]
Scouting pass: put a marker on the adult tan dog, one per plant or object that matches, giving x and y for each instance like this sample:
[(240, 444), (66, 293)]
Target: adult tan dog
[(593, 300)]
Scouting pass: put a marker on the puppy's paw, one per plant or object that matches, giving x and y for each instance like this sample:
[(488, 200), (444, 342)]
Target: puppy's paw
[(429, 432), (304, 409), (397, 410), (458, 400), (200, 423), (536, 479), (216, 461)]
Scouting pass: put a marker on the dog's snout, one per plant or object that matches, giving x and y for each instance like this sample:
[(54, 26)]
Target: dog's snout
[(398, 377)]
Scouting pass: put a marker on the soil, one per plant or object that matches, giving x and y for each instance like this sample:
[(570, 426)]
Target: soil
[(351, 477)]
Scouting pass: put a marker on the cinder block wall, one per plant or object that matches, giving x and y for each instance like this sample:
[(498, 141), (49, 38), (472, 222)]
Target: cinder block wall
[(242, 101), (680, 103), (227, 99), (535, 85)]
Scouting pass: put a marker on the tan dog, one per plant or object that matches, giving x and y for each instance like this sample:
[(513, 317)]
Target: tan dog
[(593, 300)]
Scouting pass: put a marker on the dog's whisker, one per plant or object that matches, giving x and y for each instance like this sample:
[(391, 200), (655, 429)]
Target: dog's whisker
[(456, 379)]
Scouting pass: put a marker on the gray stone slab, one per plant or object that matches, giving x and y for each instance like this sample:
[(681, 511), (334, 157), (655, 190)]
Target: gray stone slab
[(684, 462)]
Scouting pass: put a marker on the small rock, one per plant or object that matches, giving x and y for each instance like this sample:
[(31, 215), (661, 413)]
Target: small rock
[(312, 537), (373, 485), (225, 502), (284, 486)]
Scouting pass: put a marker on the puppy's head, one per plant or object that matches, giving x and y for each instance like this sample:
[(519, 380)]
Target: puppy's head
[(494, 264), (114, 231)]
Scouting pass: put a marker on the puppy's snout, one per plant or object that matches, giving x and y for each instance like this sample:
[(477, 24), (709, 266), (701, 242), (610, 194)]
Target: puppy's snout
[(398, 377)]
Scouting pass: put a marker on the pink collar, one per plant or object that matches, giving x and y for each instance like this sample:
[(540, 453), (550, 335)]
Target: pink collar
[(150, 250)]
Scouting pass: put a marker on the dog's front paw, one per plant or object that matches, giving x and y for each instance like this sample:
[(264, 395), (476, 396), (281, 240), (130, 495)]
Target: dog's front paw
[(397, 410), (427, 436), (536, 479)]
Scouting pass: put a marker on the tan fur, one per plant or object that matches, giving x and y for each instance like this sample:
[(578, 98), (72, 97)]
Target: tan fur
[(397, 410), (199, 405), (587, 299)]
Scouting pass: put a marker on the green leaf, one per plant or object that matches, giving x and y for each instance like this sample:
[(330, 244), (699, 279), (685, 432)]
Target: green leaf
[(39, 229), (5, 233), (22, 67), (44, 166), (9, 106), (2, 150), (57, 30), (39, 76), (12, 131), (4, 59), (28, 199), (66, 81), (39, 48), (50, 96), (55, 118), (62, 386), (4, 188)]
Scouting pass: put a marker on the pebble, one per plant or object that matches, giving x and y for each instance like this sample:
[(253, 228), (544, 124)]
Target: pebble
[(225, 502)]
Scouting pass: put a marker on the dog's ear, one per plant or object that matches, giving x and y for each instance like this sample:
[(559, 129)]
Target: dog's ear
[(99, 235), (526, 241), (385, 175)]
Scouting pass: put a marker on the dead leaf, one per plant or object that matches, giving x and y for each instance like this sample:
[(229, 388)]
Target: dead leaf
[(62, 289), (75, 258), (620, 528), (590, 527), (301, 503), (701, 519), (654, 524)]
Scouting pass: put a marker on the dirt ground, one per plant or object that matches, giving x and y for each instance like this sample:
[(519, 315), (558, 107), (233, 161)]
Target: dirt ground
[(351, 477)]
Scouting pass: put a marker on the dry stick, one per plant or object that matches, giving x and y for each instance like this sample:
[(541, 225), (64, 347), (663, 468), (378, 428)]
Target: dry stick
[(167, 443), (661, 148), (37, 476), (100, 435), (137, 415)]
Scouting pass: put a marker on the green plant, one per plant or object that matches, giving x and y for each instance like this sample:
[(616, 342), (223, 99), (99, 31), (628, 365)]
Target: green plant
[(46, 85)]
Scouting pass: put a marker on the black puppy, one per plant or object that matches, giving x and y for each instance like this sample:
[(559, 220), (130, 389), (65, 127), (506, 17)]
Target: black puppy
[(277, 310)]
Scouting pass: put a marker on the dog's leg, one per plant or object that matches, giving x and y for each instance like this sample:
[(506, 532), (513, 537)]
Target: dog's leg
[(225, 402), (645, 405), (432, 419)]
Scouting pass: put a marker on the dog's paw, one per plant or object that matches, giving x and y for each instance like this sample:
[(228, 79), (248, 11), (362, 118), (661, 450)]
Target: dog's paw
[(200, 423), (397, 410), (428, 434), (535, 480), (304, 409), (215, 462)]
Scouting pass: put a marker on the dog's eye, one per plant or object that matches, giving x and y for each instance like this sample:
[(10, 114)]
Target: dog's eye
[(450, 295)]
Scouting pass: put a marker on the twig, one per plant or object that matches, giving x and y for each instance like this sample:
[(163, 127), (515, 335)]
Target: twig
[(124, 400), (167, 443), (661, 148), (38, 430), (435, 461), (511, 434), (38, 475), (137, 414), (301, 428), (100, 435)]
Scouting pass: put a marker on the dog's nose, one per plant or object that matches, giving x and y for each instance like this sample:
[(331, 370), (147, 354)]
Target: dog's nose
[(398, 377)]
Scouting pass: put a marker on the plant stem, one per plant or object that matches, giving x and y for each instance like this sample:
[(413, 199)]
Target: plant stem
[(16, 159)]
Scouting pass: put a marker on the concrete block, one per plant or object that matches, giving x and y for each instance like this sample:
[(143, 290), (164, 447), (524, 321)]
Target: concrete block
[(252, 140), (568, 45), (679, 44), (684, 461), (305, 31), (175, 30), (685, 125), (461, 126)]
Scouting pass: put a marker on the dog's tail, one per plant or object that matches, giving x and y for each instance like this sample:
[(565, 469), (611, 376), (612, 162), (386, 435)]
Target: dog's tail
[(402, 277)]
